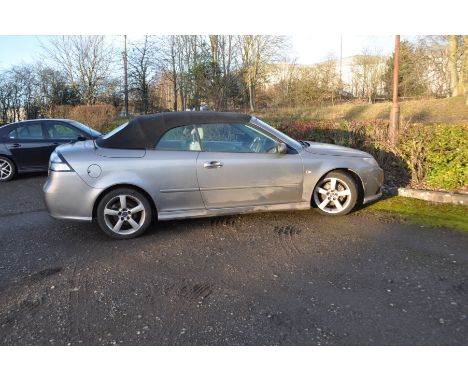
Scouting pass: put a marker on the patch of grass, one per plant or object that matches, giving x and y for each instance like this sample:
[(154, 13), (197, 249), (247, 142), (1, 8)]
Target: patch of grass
[(447, 110), (424, 213)]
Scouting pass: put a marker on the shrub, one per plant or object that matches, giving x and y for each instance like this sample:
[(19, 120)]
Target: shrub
[(447, 157), (95, 116), (437, 155), (428, 156)]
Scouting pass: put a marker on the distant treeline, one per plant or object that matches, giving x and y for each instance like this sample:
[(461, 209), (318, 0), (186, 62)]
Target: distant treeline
[(221, 73)]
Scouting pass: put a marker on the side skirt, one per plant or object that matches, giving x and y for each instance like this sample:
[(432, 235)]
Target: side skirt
[(200, 213)]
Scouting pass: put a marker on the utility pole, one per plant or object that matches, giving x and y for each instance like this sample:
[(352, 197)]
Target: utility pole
[(125, 76), (395, 113), (341, 66)]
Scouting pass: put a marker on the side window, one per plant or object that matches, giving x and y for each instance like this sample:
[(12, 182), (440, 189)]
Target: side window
[(27, 131), (234, 137), (183, 138), (61, 131)]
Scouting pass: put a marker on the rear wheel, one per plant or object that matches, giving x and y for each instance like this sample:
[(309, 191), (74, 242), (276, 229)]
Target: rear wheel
[(336, 194), (7, 169), (124, 213)]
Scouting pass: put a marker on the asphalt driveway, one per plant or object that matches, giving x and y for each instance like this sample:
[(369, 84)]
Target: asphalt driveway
[(265, 279)]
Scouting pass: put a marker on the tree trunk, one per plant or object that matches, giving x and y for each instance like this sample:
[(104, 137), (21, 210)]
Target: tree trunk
[(252, 97), (465, 68), (453, 48)]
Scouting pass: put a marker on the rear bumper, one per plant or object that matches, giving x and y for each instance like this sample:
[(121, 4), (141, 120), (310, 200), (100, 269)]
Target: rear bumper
[(68, 197)]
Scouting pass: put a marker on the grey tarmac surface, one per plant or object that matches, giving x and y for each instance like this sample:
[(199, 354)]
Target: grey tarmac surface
[(266, 279)]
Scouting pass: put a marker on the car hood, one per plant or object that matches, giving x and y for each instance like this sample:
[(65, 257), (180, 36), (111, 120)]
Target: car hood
[(336, 150)]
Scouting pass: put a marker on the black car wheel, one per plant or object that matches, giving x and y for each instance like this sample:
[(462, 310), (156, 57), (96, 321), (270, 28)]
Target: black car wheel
[(7, 169)]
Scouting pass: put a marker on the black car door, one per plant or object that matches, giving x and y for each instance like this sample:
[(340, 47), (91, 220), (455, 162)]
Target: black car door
[(28, 145)]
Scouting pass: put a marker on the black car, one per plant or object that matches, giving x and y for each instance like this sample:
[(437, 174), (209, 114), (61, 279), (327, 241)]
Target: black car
[(26, 146)]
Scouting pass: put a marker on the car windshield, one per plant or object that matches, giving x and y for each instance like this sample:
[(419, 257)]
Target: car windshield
[(89, 130), (285, 138)]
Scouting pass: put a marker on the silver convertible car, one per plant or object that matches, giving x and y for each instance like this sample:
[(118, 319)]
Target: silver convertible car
[(196, 164)]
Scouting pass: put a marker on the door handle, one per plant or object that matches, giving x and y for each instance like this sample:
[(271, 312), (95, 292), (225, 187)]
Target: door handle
[(15, 145), (213, 164)]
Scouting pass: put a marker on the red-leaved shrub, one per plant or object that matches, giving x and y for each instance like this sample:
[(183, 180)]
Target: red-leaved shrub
[(95, 116)]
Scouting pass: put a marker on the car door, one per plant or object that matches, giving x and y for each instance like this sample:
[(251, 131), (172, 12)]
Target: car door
[(238, 167), (29, 146), (171, 171), (59, 133)]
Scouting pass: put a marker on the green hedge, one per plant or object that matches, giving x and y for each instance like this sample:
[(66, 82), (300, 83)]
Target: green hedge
[(428, 156), (443, 152)]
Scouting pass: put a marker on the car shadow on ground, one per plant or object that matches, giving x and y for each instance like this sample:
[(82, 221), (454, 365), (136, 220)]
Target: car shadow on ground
[(29, 175)]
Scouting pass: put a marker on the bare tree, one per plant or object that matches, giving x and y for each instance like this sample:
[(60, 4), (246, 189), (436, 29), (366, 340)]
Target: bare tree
[(328, 78), (168, 65), (5, 96), (367, 72), (53, 90), (434, 61), (256, 52), (465, 67), (452, 64), (30, 91), (142, 63), (85, 61), (223, 50)]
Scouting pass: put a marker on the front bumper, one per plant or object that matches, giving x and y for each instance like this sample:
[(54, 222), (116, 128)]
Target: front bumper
[(372, 181), (68, 197)]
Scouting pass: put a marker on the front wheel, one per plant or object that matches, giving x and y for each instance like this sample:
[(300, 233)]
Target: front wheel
[(124, 213), (7, 169), (335, 194)]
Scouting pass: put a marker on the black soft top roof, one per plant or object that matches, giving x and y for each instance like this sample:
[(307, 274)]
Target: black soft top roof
[(145, 131)]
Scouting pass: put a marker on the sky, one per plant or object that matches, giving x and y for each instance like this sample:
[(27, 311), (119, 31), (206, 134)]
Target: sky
[(307, 49)]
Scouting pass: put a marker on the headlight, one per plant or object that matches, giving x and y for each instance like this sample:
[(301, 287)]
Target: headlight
[(58, 164), (371, 161)]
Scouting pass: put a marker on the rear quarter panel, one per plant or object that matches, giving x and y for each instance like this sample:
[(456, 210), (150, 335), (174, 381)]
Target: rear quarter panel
[(170, 178)]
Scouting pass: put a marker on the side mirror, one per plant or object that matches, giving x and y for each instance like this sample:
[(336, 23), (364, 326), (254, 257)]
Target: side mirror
[(81, 138), (281, 148)]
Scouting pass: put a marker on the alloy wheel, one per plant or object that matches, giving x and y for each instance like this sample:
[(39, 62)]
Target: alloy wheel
[(5, 169), (332, 195), (124, 214)]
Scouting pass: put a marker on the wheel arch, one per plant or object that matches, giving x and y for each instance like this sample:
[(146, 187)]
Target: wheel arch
[(154, 210), (354, 174)]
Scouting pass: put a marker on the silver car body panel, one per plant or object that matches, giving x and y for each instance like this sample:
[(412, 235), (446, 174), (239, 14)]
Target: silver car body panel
[(67, 196), (249, 179), (182, 186), (200, 213)]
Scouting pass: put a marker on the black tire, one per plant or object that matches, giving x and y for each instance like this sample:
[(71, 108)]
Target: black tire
[(7, 164), (344, 183), (123, 219)]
